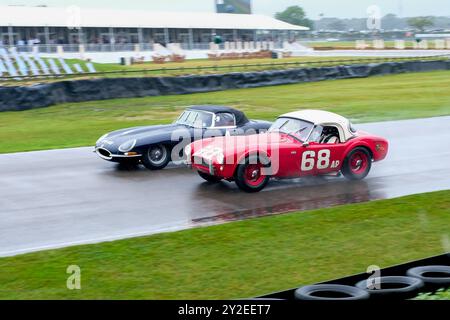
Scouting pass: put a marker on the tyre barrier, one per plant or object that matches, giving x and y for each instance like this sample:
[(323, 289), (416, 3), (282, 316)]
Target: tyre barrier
[(434, 277), (399, 282), (393, 287), (16, 98), (331, 292)]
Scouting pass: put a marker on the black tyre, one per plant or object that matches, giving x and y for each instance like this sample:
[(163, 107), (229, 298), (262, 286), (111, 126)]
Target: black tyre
[(130, 161), (330, 292), (433, 276), (156, 157), (393, 287), (249, 177), (129, 164), (357, 164), (208, 177)]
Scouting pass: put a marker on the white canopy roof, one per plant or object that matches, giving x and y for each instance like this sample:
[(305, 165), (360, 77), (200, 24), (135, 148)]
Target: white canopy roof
[(19, 16)]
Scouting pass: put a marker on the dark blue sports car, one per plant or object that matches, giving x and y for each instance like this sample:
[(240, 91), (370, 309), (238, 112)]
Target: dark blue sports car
[(156, 146)]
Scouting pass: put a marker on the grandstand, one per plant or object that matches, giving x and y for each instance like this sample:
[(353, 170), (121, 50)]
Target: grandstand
[(104, 30), (22, 64)]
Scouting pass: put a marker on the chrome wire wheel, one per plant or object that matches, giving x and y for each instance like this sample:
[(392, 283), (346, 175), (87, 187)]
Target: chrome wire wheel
[(157, 154), (156, 157)]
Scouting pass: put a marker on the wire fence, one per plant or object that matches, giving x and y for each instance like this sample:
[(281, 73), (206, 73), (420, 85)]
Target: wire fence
[(221, 68)]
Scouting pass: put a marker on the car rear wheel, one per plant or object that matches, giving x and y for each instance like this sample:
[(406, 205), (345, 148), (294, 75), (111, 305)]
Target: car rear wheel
[(157, 157), (357, 164), (249, 176)]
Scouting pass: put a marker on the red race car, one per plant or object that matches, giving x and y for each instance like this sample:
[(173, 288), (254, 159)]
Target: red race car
[(302, 143)]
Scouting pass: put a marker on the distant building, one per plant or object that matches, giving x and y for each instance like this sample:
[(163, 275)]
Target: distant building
[(234, 6), (115, 30)]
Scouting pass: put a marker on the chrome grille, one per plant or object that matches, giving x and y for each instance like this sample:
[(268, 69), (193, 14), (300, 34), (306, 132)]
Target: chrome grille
[(103, 153)]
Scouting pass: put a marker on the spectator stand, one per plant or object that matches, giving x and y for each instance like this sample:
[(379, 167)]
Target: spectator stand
[(24, 65), (241, 50)]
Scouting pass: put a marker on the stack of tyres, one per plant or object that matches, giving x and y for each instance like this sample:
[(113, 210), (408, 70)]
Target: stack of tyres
[(418, 279), (395, 283), (433, 277)]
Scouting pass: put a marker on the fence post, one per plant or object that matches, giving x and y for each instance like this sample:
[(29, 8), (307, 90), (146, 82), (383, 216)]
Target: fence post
[(60, 51)]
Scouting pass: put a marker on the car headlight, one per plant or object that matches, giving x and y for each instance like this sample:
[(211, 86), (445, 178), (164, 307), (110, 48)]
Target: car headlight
[(103, 137), (127, 146), (188, 151)]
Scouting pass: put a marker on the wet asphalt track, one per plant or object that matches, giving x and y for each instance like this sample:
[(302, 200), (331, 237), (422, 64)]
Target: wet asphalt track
[(58, 198)]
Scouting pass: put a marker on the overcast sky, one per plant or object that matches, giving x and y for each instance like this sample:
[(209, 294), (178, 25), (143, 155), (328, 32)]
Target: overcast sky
[(331, 8)]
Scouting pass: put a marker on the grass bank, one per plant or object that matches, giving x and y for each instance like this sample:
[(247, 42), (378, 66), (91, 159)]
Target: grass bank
[(204, 66), (393, 97), (240, 259), (439, 295)]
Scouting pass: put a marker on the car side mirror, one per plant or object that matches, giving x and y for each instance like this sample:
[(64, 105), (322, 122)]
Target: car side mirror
[(306, 144)]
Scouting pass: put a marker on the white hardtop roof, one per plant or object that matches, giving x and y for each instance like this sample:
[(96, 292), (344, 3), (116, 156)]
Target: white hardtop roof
[(319, 117), (23, 16)]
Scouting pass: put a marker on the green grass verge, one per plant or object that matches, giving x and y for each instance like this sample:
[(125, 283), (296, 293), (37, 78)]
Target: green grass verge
[(231, 65), (221, 63), (405, 96), (438, 295), (204, 66), (185, 68), (352, 44), (240, 259)]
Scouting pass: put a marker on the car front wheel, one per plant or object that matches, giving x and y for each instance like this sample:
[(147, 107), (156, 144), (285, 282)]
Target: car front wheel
[(157, 157), (129, 162), (357, 164), (249, 176)]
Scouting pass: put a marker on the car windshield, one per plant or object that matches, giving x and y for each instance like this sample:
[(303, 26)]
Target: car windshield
[(197, 119), (298, 128)]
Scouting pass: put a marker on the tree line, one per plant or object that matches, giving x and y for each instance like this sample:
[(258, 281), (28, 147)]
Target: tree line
[(297, 16)]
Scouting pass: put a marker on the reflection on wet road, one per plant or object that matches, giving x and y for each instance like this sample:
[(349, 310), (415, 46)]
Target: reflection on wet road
[(59, 198), (301, 194)]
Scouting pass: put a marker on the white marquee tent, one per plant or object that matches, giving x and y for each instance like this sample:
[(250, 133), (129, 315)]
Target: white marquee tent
[(18, 16)]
